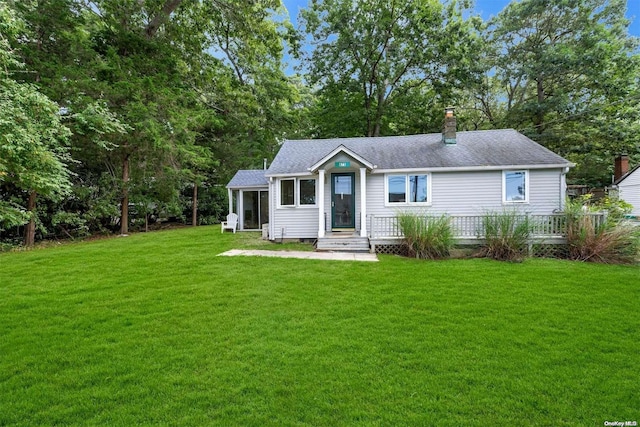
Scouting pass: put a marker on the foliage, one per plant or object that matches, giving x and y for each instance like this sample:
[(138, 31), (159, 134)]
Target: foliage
[(11, 215), (214, 340), (565, 73), (426, 237), (372, 53), (608, 241), (151, 108), (615, 208), (34, 155), (506, 235), (143, 100)]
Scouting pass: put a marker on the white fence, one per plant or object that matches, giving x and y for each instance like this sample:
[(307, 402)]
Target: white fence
[(470, 226)]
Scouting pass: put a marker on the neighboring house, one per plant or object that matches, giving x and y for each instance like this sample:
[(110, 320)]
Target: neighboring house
[(628, 183), (316, 187)]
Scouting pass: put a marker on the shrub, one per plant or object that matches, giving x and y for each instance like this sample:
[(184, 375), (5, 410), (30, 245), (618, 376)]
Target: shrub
[(609, 241), (506, 235), (615, 208), (426, 237)]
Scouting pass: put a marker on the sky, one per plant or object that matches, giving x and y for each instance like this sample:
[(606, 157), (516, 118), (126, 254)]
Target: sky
[(489, 8), (486, 9)]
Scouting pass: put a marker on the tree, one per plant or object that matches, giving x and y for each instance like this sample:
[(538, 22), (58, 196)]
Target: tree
[(376, 52), (569, 77), (33, 140)]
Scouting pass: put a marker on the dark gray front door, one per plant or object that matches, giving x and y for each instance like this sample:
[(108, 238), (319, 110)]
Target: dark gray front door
[(343, 207)]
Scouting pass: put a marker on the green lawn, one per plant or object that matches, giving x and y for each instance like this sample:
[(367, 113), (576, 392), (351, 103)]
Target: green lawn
[(156, 329)]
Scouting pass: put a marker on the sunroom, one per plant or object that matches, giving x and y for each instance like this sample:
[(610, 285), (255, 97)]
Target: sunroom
[(249, 199)]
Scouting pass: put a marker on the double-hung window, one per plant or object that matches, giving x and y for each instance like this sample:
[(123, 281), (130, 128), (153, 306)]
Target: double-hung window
[(287, 192), (407, 189), (515, 187), (297, 192), (307, 191)]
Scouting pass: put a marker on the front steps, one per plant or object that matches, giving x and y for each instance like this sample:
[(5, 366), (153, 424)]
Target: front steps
[(337, 242)]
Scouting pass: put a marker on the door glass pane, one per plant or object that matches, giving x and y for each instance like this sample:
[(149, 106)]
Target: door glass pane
[(343, 201), (342, 184), (264, 207), (250, 209)]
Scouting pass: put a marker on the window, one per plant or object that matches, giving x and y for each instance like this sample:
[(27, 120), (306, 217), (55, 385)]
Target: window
[(397, 189), (408, 189), (417, 188), (307, 191), (287, 189), (297, 192), (514, 187)]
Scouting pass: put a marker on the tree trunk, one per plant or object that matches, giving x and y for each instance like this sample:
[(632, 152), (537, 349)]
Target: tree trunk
[(539, 117), (379, 109), (124, 217), (30, 229), (194, 211), (161, 17)]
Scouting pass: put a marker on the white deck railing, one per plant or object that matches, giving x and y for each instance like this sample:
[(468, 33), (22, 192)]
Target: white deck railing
[(470, 226)]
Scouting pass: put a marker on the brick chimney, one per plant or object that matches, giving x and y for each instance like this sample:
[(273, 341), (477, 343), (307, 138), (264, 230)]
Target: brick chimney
[(621, 167), (449, 132)]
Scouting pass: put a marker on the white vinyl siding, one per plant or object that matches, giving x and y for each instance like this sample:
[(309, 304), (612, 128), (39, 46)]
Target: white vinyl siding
[(295, 224), (471, 193), (454, 193), (297, 221), (629, 191)]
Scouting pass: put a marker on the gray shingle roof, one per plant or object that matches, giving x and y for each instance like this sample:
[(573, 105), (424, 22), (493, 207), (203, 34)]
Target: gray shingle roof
[(249, 178), (505, 147)]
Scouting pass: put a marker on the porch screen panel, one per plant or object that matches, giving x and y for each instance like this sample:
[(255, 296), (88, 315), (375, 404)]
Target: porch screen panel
[(250, 209)]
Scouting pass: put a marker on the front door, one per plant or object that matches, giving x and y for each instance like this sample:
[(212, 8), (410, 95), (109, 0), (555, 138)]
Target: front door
[(343, 207)]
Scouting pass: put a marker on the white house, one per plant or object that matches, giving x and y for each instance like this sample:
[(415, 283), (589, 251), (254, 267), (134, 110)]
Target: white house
[(628, 183), (323, 186)]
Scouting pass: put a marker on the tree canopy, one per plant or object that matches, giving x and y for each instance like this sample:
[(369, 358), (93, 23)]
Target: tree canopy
[(118, 113), (369, 55)]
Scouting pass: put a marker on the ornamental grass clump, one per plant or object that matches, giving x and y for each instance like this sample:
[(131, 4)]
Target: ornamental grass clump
[(593, 239), (426, 237), (506, 235)]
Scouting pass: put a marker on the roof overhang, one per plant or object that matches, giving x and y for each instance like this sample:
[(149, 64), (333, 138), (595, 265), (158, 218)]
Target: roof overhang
[(342, 149), (289, 175), (248, 187), (476, 168)]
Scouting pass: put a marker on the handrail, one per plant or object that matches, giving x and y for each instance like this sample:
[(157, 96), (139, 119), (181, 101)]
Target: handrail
[(470, 226)]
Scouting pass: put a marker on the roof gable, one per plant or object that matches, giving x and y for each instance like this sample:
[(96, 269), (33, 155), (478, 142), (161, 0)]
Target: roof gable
[(490, 148), (626, 175), (344, 150)]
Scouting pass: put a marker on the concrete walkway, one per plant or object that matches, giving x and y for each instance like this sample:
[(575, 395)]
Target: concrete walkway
[(332, 256)]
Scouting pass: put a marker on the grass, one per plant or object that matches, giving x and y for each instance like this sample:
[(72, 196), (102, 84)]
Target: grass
[(155, 329)]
